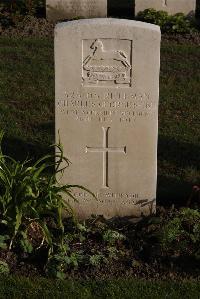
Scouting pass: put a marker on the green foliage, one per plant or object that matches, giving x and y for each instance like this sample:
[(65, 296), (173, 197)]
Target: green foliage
[(59, 263), (3, 243), (4, 268), (111, 236), (97, 259), (77, 254), (153, 16), (28, 194), (177, 23), (181, 235), (25, 244)]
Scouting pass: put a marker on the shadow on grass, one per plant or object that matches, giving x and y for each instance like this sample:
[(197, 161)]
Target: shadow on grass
[(21, 150), (181, 154), (172, 191), (181, 160)]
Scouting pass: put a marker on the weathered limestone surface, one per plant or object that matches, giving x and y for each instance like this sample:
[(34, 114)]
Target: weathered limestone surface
[(187, 7), (107, 92), (68, 9)]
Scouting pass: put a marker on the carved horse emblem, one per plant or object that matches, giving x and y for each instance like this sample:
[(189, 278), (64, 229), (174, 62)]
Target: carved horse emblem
[(100, 53), (106, 65)]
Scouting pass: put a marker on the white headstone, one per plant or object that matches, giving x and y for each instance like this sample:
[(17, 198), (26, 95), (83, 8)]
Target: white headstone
[(68, 9), (107, 92), (187, 7)]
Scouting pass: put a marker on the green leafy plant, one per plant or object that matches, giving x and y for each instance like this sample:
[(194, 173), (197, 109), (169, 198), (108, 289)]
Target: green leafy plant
[(113, 252), (112, 236), (3, 241), (97, 259), (25, 243), (59, 263), (181, 235), (177, 23), (153, 16), (28, 195), (4, 268), (90, 244)]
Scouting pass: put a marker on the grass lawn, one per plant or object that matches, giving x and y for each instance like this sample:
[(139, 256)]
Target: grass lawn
[(16, 287), (27, 109)]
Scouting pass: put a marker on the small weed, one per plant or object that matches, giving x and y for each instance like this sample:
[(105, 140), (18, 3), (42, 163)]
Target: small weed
[(3, 241), (97, 259), (4, 268), (112, 236)]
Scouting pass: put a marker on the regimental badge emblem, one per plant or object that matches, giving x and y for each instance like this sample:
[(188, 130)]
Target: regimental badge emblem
[(107, 62)]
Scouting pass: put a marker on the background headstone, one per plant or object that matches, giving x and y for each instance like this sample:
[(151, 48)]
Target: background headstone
[(68, 9), (107, 91), (187, 7)]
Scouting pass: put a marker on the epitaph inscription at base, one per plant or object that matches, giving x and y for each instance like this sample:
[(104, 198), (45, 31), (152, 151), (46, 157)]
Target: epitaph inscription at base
[(107, 89)]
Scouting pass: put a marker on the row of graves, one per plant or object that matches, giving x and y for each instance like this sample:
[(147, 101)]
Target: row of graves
[(69, 9)]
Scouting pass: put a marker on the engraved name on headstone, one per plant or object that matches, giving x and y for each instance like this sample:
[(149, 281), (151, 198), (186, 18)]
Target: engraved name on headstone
[(107, 91), (187, 7), (68, 9)]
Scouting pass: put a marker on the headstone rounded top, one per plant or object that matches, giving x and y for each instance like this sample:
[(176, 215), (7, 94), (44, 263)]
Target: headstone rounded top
[(108, 21)]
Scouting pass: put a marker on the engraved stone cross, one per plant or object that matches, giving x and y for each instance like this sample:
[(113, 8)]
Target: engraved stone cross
[(105, 150)]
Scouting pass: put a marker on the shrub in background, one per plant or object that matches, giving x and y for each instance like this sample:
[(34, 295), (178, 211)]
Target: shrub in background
[(154, 17), (177, 23)]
